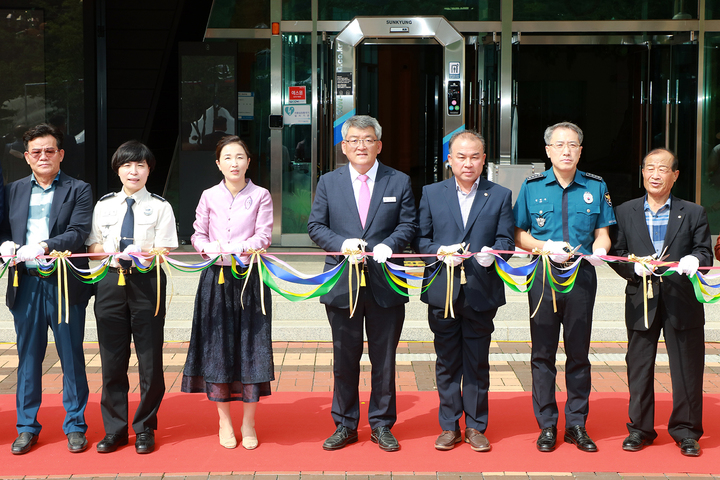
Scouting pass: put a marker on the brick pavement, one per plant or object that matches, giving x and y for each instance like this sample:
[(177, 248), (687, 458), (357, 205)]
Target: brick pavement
[(307, 367)]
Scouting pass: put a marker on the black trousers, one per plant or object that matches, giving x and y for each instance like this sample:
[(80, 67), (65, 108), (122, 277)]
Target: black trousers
[(383, 327), (125, 314), (462, 368), (686, 352), (574, 313)]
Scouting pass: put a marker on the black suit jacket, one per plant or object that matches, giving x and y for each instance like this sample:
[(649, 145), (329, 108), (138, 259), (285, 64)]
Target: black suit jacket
[(70, 222), (391, 221), (688, 233), (490, 223)]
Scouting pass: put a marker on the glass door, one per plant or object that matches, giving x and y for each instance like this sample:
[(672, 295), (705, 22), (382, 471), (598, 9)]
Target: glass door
[(627, 95)]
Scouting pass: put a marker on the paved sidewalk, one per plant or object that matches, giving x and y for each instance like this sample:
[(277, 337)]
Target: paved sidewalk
[(307, 367)]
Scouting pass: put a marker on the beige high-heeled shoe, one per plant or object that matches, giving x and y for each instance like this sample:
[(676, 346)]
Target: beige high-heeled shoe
[(249, 442), (227, 439)]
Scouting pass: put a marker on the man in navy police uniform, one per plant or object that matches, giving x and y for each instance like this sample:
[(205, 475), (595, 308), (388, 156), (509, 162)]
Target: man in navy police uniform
[(558, 211)]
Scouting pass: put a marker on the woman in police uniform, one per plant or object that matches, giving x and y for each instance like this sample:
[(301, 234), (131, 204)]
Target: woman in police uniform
[(131, 221)]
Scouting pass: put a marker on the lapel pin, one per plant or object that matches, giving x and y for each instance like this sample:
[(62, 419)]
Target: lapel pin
[(486, 194)]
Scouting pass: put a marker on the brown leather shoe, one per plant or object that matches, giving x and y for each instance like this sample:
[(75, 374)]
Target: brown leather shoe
[(448, 439), (477, 440)]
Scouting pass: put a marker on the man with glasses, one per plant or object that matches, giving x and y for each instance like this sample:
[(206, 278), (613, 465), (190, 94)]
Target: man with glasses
[(363, 206), (660, 225), (563, 212), (44, 212)]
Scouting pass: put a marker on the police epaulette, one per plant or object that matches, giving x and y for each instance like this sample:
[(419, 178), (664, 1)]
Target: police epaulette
[(593, 176), (158, 197), (108, 195), (535, 177)]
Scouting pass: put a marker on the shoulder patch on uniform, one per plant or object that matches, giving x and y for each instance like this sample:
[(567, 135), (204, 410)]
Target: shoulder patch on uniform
[(535, 177), (593, 176), (158, 197), (607, 199), (107, 195)]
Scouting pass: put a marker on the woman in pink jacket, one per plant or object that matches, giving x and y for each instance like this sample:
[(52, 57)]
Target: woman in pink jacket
[(230, 354)]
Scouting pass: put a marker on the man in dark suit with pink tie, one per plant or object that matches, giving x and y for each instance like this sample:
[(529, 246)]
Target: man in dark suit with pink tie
[(363, 205)]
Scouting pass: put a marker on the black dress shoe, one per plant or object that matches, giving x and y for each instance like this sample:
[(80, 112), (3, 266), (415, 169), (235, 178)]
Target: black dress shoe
[(546, 440), (111, 442), (635, 442), (385, 439), (145, 442), (577, 435), (343, 436), (688, 447), (23, 443), (77, 442)]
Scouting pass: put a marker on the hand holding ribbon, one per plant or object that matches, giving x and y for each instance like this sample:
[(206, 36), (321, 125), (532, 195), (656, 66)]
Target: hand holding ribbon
[(354, 250), (483, 258)]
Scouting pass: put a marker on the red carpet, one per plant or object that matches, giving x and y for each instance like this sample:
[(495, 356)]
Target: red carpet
[(292, 427)]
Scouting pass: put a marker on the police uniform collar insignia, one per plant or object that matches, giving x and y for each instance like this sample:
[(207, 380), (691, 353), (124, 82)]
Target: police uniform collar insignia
[(535, 177), (587, 196), (106, 196)]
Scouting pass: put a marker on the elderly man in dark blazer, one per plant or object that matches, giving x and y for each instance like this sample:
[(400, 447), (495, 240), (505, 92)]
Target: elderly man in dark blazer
[(47, 211), (471, 211), (662, 225), (364, 204)]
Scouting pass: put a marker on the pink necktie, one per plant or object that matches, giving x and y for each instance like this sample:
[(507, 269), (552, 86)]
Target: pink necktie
[(364, 199)]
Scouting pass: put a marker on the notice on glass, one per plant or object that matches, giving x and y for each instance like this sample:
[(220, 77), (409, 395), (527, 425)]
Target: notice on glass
[(344, 83), (246, 105), (297, 115)]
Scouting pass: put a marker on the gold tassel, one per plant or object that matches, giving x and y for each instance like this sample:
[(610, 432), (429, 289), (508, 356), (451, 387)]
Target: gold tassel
[(221, 277), (15, 279), (121, 277), (463, 278), (362, 278), (650, 289)]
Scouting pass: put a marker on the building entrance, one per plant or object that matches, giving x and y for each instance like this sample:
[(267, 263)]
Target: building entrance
[(401, 86)]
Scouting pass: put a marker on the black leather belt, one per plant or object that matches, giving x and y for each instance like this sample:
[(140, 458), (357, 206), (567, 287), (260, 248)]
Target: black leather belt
[(124, 271), (33, 272)]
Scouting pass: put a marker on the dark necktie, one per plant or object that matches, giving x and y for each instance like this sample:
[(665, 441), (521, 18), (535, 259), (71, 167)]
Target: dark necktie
[(127, 231)]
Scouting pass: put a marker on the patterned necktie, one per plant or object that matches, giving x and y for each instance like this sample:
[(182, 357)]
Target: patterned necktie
[(127, 231), (364, 199)]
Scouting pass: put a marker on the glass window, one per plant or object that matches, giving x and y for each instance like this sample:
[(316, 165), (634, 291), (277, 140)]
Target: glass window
[(296, 10), (538, 10), (458, 10), (710, 186), (41, 66), (712, 9), (297, 132), (234, 14)]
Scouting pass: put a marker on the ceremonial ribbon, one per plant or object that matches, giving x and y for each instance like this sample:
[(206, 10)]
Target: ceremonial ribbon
[(254, 255), (354, 266), (698, 281), (61, 264)]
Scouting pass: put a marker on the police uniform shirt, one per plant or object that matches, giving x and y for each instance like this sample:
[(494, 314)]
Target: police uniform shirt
[(539, 209), (154, 221)]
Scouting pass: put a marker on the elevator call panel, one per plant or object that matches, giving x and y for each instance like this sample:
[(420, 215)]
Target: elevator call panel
[(453, 97)]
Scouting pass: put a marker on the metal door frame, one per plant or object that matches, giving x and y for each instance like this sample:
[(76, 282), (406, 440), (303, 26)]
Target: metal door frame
[(394, 30)]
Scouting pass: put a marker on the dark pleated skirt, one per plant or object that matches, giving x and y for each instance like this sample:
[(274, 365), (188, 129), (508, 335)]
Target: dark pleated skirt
[(230, 355)]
